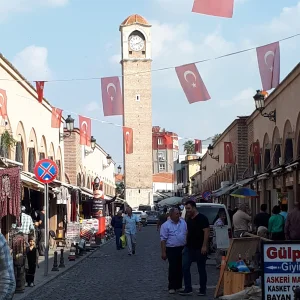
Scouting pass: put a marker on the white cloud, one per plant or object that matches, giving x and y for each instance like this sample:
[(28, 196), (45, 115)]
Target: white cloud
[(8, 7), (92, 106), (33, 63)]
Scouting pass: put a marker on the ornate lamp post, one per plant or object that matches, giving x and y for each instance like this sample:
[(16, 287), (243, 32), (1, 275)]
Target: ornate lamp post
[(210, 149), (93, 146), (69, 127), (259, 99), (119, 169)]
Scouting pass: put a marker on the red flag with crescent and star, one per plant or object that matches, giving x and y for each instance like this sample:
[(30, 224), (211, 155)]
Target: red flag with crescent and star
[(256, 153), (268, 58), (218, 8), (128, 139), (168, 140), (3, 104), (56, 117), (228, 153), (40, 90), (192, 83), (111, 96), (198, 146), (85, 126)]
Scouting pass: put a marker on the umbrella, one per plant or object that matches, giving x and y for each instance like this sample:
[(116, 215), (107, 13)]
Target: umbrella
[(243, 193), (170, 201)]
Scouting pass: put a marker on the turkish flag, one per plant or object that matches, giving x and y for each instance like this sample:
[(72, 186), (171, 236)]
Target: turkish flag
[(228, 153), (112, 96), (40, 90), (85, 126), (56, 117), (128, 139), (168, 140), (3, 104), (198, 146), (192, 83), (218, 8), (256, 152), (268, 58)]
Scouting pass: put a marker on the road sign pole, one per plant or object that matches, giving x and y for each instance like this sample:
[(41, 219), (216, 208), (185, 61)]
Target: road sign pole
[(46, 204)]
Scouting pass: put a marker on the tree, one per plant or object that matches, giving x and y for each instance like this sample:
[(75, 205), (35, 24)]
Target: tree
[(120, 187), (216, 136), (189, 147)]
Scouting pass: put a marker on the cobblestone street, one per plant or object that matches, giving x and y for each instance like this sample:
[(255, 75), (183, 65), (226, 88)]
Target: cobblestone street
[(112, 274)]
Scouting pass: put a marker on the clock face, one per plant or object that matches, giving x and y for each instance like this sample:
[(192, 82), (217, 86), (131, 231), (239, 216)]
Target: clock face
[(136, 43)]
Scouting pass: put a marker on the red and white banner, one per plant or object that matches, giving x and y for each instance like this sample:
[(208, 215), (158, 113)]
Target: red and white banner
[(128, 139), (40, 90), (85, 126), (111, 96), (228, 153), (3, 104), (198, 146), (219, 8), (192, 83), (268, 57), (256, 153), (56, 117)]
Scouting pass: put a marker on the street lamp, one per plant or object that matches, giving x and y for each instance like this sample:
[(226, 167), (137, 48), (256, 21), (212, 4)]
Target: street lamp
[(108, 160), (210, 152), (93, 146), (259, 99), (69, 127), (119, 169)]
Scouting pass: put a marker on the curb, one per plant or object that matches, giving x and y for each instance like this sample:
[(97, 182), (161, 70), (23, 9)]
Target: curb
[(63, 271)]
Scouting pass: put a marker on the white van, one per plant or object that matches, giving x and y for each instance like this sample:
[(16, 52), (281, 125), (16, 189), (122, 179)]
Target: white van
[(211, 211)]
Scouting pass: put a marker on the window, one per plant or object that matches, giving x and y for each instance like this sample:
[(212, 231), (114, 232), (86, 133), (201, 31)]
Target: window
[(161, 156), (130, 52), (159, 141), (143, 52), (162, 167), (137, 98)]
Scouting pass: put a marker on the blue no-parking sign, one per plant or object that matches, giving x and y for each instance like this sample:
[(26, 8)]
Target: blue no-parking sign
[(46, 170)]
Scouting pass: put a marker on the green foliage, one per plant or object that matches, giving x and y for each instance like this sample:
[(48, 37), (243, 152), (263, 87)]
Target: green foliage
[(7, 140), (216, 136), (189, 147)]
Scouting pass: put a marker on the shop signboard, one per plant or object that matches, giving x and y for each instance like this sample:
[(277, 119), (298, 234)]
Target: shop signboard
[(73, 232), (90, 224), (280, 269)]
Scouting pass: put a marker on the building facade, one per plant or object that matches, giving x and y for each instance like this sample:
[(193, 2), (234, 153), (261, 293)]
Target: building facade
[(83, 165), (164, 153), (137, 99)]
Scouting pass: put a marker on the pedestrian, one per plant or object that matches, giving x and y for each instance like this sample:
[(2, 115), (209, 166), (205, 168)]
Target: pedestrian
[(32, 262), (162, 218), (292, 231), (7, 276), (241, 221), (173, 238), (276, 225), (41, 231), (195, 249), (27, 226), (117, 224), (262, 218), (130, 224), (284, 209)]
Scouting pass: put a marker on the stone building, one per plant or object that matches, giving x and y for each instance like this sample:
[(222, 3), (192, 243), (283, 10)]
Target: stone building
[(136, 69)]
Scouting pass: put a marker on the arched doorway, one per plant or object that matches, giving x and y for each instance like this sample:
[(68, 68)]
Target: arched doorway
[(288, 136), (267, 153), (276, 146), (32, 151), (79, 179), (21, 146), (43, 148)]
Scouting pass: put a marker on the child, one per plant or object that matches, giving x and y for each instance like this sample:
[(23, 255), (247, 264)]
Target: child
[(32, 260)]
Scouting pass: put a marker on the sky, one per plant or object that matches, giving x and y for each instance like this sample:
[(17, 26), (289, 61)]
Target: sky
[(75, 39)]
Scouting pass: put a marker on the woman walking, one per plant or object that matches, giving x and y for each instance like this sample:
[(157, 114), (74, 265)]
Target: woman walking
[(276, 225)]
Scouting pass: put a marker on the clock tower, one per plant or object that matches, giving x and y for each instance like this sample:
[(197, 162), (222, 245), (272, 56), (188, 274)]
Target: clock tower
[(136, 70)]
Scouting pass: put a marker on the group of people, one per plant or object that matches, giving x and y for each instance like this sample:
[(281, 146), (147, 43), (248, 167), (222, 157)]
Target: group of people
[(184, 242)]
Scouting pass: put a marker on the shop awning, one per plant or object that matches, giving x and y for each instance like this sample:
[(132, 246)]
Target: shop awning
[(245, 181), (223, 191), (31, 182), (87, 192)]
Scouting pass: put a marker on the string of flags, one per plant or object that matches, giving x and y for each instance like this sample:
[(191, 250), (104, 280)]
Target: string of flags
[(216, 8)]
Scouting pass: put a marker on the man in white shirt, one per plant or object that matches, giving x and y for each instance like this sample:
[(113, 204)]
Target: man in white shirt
[(26, 224)]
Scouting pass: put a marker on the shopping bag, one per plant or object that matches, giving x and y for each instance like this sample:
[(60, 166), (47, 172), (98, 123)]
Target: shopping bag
[(123, 240)]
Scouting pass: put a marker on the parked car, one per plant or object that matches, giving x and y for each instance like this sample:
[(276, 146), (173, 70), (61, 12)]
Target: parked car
[(211, 211), (143, 218), (153, 217)]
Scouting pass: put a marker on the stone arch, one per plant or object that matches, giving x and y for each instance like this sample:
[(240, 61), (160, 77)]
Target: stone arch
[(59, 162), (140, 31), (51, 153), (43, 151), (266, 153), (79, 180), (21, 146), (67, 178), (84, 179), (276, 148), (32, 150), (288, 142)]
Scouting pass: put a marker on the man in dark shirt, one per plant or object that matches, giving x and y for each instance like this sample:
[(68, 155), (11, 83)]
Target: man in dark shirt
[(262, 218), (195, 249), (41, 228)]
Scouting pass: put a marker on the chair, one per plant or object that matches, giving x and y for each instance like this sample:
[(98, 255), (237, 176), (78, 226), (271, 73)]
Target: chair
[(55, 241)]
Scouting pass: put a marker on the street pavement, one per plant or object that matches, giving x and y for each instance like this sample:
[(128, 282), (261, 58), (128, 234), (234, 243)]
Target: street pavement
[(111, 274)]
